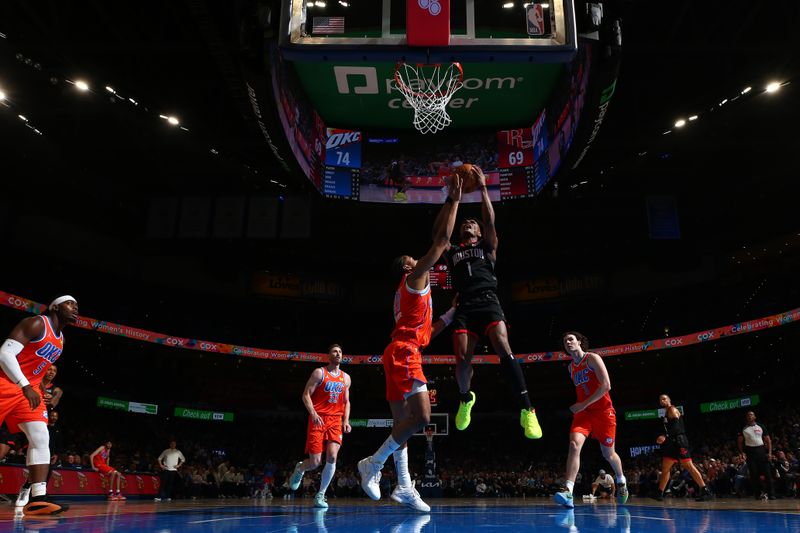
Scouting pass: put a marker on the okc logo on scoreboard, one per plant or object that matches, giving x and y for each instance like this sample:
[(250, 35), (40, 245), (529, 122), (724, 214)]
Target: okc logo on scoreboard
[(343, 148)]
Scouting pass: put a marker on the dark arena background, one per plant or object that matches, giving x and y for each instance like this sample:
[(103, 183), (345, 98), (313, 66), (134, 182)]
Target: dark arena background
[(222, 186)]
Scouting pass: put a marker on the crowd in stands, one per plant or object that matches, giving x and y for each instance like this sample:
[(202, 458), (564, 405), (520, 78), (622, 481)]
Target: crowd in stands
[(211, 473)]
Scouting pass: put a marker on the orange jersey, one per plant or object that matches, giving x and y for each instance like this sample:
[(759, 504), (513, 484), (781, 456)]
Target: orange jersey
[(586, 383), (413, 312), (37, 356), (101, 458), (328, 397)]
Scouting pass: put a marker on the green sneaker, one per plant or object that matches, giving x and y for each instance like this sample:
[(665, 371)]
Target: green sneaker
[(297, 477), (320, 502), (463, 417), (529, 422), (622, 494)]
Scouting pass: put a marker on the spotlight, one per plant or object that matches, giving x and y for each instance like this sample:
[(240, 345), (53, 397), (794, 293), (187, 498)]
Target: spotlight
[(172, 120), (681, 123), (23, 118), (746, 90), (110, 89), (508, 5), (82, 85), (693, 117), (774, 86), (2, 96)]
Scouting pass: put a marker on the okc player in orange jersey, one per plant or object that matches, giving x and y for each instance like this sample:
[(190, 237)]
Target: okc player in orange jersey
[(99, 461), (406, 388), (593, 414), (327, 400), (33, 345)]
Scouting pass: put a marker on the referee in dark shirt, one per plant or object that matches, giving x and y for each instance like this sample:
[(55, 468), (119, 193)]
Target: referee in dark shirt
[(756, 446)]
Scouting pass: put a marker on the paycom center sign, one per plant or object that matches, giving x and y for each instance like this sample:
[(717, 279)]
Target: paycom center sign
[(361, 95)]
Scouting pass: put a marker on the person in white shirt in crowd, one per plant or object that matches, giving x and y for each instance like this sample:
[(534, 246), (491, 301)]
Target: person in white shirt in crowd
[(170, 461)]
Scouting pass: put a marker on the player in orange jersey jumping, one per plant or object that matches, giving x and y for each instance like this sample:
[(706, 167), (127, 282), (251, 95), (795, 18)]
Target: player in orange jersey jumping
[(31, 347), (326, 397), (593, 414), (406, 385)]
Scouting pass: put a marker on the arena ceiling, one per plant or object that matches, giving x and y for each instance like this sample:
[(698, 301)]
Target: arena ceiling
[(730, 169)]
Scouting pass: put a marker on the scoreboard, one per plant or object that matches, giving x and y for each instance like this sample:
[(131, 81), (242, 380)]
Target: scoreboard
[(440, 277), (523, 170)]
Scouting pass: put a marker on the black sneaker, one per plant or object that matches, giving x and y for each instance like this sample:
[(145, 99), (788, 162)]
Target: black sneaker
[(43, 505), (658, 496), (705, 495)]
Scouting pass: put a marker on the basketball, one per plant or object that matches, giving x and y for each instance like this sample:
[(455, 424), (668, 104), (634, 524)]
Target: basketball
[(468, 176)]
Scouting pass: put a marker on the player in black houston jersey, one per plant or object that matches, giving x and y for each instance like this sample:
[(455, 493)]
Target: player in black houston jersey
[(479, 314), (675, 449)]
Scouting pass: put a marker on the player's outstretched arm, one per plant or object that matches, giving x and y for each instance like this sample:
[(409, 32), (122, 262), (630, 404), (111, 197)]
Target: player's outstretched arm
[(487, 212), (445, 223)]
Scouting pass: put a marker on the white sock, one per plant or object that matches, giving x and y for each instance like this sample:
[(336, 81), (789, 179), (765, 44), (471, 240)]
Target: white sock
[(570, 486), (386, 449), (39, 489), (621, 480), (327, 476), (401, 467)]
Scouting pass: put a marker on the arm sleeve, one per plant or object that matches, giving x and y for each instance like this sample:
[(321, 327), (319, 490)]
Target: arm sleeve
[(8, 362)]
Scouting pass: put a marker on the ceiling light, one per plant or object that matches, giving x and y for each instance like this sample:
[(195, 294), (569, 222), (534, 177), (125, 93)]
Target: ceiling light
[(545, 6), (746, 90), (320, 4), (344, 4), (774, 86), (2, 96), (110, 89), (134, 102), (23, 117), (508, 5), (693, 117), (172, 120), (724, 102), (310, 4), (82, 85), (680, 123)]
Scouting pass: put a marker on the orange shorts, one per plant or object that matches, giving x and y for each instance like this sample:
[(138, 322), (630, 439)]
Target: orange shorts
[(402, 364), (103, 468), (15, 409), (329, 431), (601, 425)]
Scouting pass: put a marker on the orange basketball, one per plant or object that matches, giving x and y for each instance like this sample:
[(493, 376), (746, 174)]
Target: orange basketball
[(469, 179)]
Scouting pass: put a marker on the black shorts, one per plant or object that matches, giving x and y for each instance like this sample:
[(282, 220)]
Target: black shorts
[(676, 449), (478, 313)]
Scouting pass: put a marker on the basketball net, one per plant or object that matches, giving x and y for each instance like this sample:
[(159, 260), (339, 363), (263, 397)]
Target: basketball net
[(429, 434), (428, 89)]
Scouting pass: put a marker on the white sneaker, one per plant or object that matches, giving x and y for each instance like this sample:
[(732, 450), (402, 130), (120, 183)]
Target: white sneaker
[(297, 477), (410, 497), (23, 496), (370, 477)]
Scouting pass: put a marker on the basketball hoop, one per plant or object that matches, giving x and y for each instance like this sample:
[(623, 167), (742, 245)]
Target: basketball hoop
[(428, 89)]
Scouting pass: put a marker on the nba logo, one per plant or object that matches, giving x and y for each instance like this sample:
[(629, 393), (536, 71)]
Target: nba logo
[(535, 19)]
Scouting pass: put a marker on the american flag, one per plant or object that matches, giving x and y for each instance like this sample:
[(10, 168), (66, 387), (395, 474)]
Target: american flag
[(328, 25)]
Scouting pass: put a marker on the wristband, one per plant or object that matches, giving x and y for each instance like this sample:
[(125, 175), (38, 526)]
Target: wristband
[(448, 200), (447, 318)]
